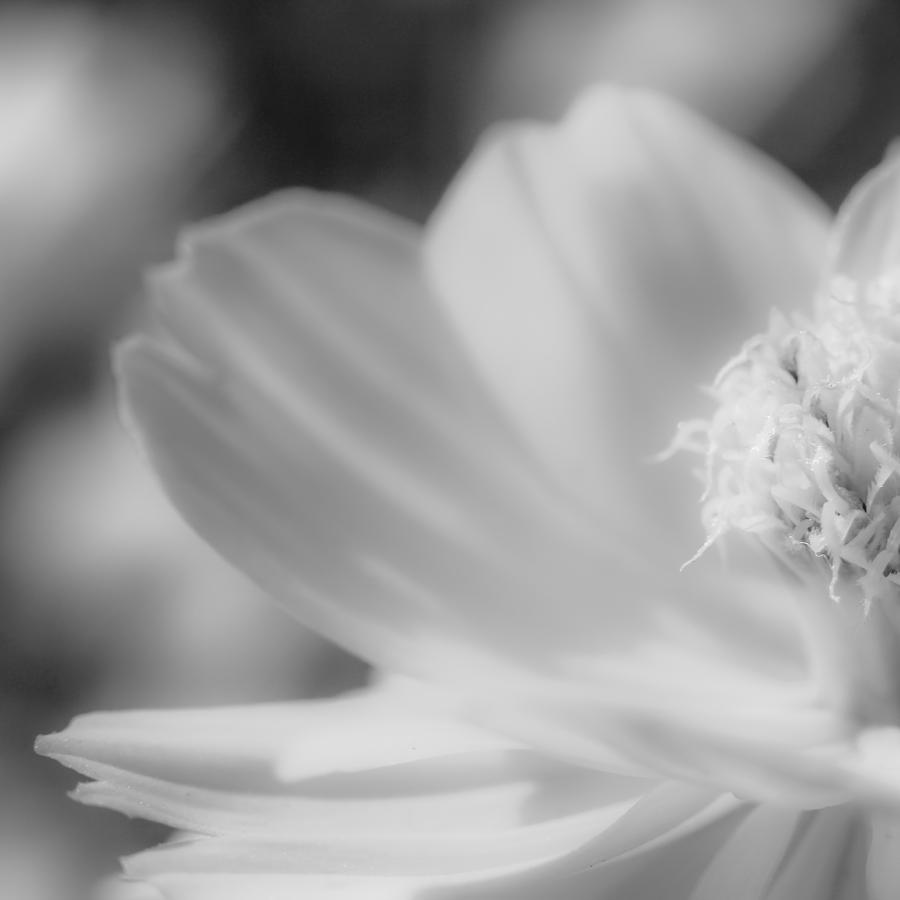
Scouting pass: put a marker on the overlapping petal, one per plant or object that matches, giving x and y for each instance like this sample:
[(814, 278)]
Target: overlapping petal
[(425, 796), (318, 421), (359, 476), (718, 848), (375, 490), (595, 271)]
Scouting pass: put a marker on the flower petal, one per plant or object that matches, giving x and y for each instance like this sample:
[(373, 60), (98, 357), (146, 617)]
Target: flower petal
[(865, 245), (730, 850), (119, 889), (516, 610), (299, 424), (318, 423), (239, 886), (720, 848), (375, 763), (452, 803), (779, 854), (597, 273), (823, 860), (677, 831), (368, 484), (679, 824), (257, 748), (373, 489)]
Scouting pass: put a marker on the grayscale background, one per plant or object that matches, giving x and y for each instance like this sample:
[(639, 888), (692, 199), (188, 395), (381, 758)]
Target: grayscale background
[(121, 122)]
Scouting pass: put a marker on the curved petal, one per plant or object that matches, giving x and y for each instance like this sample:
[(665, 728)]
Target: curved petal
[(321, 430), (447, 801), (718, 849), (303, 424), (120, 889), (376, 762), (674, 849), (259, 748), (600, 271), (865, 244), (369, 485)]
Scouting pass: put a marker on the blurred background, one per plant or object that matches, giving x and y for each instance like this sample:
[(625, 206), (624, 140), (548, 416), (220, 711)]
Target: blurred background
[(122, 121)]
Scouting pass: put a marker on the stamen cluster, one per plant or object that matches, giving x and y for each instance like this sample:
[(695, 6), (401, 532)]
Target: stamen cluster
[(804, 448)]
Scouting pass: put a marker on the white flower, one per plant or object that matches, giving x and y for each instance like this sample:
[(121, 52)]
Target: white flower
[(432, 448)]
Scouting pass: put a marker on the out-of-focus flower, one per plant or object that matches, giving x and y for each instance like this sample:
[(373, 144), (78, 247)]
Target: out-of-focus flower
[(432, 449), (105, 123)]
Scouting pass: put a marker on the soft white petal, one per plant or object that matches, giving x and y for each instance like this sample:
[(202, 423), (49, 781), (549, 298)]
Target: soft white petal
[(747, 865), (478, 800), (368, 765), (230, 886), (460, 811), (458, 815), (777, 854), (311, 414), (372, 489), (716, 850), (866, 239), (361, 479), (657, 850), (872, 766), (258, 747), (710, 849), (671, 834), (822, 862), (119, 889), (372, 855), (600, 271), (507, 614)]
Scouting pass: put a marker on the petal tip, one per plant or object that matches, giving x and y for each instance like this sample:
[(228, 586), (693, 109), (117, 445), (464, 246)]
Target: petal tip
[(627, 102), (52, 745)]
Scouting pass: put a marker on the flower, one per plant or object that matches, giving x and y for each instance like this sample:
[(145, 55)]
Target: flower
[(433, 449)]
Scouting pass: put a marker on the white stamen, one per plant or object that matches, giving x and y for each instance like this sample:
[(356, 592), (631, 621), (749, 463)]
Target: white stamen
[(804, 448)]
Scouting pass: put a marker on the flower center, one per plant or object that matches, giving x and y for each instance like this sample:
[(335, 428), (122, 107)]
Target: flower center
[(804, 449), (803, 452)]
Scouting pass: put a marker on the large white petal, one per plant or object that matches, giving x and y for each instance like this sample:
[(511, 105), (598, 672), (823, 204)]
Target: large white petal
[(740, 853), (260, 747), (720, 849), (369, 485), (448, 801), (538, 614), (657, 849), (321, 430), (450, 811), (379, 762), (715, 848), (599, 272)]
